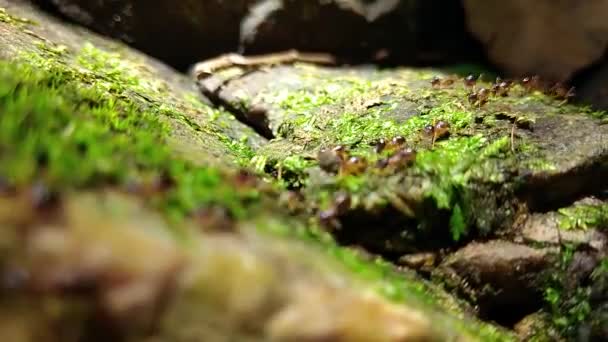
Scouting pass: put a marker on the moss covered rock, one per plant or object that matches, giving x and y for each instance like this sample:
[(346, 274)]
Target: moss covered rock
[(125, 215), (488, 165)]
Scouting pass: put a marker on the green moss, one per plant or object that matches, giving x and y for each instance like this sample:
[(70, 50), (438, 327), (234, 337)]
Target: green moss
[(10, 19), (111, 75), (70, 136), (601, 270), (583, 216), (570, 308)]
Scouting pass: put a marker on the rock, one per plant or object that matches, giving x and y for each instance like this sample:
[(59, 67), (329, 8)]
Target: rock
[(592, 87), (356, 29), (422, 262), (554, 40), (546, 228), (552, 160), (596, 328), (151, 83), (536, 325), (503, 279), (177, 33)]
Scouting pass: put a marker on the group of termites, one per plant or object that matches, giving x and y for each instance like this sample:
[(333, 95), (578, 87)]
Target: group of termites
[(502, 87), (396, 156), (337, 160)]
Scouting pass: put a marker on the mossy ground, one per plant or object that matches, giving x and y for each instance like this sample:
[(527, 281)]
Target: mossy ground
[(76, 119), (64, 136), (80, 117)]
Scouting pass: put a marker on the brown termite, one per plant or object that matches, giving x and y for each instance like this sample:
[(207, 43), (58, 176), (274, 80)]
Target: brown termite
[(441, 129), (438, 130), (531, 83), (330, 160), (561, 92), (292, 200), (382, 163), (470, 81), (402, 159), (342, 203), (503, 89), (329, 218), (379, 145), (353, 166), (447, 82), (395, 143), (472, 98), (436, 81)]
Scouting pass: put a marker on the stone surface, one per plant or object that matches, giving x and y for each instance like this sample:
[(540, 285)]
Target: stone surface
[(557, 156), (582, 223), (503, 279), (193, 133), (552, 39)]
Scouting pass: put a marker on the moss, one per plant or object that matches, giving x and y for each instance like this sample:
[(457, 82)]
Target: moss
[(111, 75), (570, 307), (486, 148), (10, 19), (68, 136), (583, 216)]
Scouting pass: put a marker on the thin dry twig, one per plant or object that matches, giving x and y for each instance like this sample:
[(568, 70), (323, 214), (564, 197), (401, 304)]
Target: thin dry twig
[(207, 68)]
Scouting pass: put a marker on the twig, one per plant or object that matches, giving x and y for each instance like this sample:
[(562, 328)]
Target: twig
[(207, 68)]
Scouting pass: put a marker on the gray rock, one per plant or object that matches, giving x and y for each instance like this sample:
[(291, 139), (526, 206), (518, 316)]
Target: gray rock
[(503, 279), (554, 39), (544, 228)]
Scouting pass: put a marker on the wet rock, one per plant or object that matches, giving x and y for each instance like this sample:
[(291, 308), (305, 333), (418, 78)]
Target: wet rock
[(552, 39), (135, 248), (133, 278), (504, 280), (596, 328), (592, 86)]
